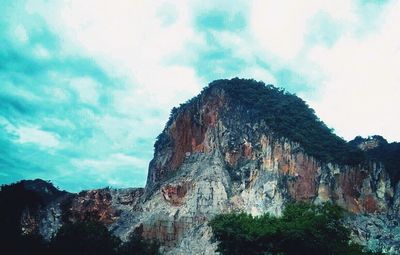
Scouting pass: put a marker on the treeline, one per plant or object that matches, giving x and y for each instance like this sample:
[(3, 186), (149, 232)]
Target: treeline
[(302, 229), (289, 116), (78, 238)]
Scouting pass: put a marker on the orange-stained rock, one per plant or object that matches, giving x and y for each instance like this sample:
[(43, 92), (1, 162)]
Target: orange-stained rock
[(305, 184), (175, 194), (370, 205), (247, 150), (93, 205), (232, 157)]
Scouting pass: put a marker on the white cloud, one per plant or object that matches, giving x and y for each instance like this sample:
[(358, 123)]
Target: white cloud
[(113, 162), (30, 134), (86, 88), (361, 90), (110, 170), (280, 27), (258, 74), (20, 34), (137, 40), (41, 52), (37, 136), (128, 32), (355, 77), (169, 86)]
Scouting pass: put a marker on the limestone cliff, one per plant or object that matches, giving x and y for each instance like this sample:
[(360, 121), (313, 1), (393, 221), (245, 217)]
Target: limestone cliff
[(216, 155)]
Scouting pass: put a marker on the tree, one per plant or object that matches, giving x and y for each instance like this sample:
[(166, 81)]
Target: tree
[(302, 229), (14, 199), (84, 238)]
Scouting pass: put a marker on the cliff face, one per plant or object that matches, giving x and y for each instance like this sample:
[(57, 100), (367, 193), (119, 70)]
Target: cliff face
[(216, 155), (258, 168), (115, 208)]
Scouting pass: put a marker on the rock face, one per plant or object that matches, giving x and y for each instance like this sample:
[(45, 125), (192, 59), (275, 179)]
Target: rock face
[(227, 160), (214, 156)]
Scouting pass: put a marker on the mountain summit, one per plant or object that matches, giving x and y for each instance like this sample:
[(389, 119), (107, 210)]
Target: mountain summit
[(240, 145), (246, 108)]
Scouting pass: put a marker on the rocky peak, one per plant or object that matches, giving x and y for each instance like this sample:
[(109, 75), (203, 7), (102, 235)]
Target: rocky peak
[(185, 134), (234, 118), (369, 143), (45, 190), (242, 145)]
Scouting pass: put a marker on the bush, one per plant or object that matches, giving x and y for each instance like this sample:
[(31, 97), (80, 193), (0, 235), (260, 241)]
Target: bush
[(90, 237), (302, 229), (84, 238), (13, 200)]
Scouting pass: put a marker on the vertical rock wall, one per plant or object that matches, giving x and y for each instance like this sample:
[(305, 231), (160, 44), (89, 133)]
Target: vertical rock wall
[(234, 162)]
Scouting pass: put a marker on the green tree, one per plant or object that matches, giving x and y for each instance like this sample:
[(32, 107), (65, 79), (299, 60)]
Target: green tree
[(302, 229), (84, 238), (14, 199)]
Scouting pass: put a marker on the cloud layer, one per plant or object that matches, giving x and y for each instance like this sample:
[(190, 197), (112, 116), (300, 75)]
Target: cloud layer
[(87, 86)]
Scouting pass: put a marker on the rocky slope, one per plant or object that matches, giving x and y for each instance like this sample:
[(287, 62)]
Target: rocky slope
[(216, 155)]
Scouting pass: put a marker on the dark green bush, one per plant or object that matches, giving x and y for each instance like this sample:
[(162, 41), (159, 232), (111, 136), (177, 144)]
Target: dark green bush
[(13, 200), (87, 237), (92, 237), (302, 229), (84, 238)]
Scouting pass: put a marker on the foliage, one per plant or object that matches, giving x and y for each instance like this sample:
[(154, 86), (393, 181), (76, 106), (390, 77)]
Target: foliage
[(89, 237), (387, 153), (289, 116), (84, 238), (13, 200), (302, 229)]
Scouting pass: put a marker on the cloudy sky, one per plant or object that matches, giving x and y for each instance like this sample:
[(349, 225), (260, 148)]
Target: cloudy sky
[(86, 86)]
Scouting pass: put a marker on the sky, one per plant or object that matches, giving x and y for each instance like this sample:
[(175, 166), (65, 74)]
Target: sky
[(86, 86)]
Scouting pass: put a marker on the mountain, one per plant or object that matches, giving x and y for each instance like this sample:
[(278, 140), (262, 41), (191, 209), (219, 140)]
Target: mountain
[(241, 145)]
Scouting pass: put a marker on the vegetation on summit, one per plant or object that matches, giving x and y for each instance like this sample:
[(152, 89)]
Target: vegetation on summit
[(289, 116), (387, 153)]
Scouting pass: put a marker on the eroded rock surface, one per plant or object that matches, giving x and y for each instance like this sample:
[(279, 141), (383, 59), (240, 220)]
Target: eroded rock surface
[(234, 162)]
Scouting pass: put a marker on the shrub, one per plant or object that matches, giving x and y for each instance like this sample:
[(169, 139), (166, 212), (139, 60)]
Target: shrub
[(302, 229), (84, 238)]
